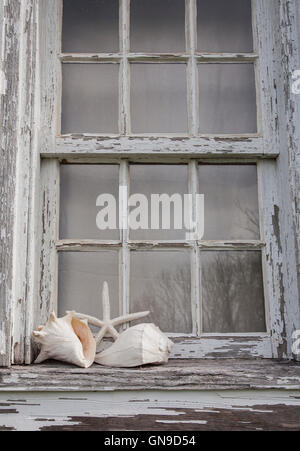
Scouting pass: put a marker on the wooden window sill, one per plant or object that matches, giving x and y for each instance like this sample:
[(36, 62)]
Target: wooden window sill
[(176, 375)]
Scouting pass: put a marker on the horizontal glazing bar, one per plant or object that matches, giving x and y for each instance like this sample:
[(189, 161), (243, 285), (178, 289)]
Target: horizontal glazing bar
[(231, 146), (157, 57), (84, 245)]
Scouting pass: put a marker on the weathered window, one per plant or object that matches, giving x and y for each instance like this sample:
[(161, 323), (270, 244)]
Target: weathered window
[(159, 97), (157, 83)]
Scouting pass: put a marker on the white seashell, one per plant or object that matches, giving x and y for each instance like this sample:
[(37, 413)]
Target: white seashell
[(139, 345), (66, 339)]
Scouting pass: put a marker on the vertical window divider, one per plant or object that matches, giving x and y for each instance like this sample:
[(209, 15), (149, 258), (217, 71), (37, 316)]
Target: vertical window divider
[(192, 70), (260, 181), (125, 251), (195, 255), (59, 65), (256, 67), (124, 119)]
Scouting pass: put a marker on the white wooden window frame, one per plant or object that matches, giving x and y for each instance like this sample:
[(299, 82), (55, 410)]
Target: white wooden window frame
[(36, 258)]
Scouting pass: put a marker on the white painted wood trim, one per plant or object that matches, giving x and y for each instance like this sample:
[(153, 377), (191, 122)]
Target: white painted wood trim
[(196, 294), (222, 347), (73, 147), (125, 251), (9, 106), (276, 48), (159, 57)]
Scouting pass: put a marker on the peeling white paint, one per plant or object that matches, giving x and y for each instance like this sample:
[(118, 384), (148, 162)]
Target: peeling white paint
[(53, 410), (181, 422), (3, 349), (3, 83), (10, 379)]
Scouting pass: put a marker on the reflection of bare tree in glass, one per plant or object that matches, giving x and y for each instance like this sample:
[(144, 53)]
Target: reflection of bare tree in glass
[(168, 298), (233, 292), (249, 220)]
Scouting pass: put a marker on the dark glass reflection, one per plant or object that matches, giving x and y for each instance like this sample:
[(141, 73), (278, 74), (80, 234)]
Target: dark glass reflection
[(161, 283), (90, 26), (233, 295)]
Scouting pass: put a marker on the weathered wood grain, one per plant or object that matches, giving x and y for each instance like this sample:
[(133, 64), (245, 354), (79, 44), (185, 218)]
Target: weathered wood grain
[(9, 103), (276, 41), (289, 165), (151, 411), (75, 146), (27, 164), (176, 375)]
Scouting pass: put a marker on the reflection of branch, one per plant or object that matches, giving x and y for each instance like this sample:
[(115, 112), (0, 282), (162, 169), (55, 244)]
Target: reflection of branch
[(250, 221), (168, 297), (233, 294)]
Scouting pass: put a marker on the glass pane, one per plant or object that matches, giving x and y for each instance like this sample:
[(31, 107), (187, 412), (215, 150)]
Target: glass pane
[(80, 205), (233, 295), (165, 213), (90, 98), (230, 202), (158, 98), (81, 277), (90, 26), (224, 26), (157, 26), (227, 98), (161, 283)]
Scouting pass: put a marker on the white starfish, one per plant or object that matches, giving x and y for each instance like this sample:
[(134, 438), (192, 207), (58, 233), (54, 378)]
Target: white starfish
[(107, 325)]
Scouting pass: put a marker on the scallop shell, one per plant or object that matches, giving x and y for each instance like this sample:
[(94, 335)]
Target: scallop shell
[(139, 345), (66, 339)]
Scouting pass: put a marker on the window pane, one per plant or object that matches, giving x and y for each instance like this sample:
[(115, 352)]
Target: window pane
[(231, 202), (157, 26), (80, 187), (159, 179), (227, 98), (158, 98), (90, 26), (233, 295), (81, 277), (90, 100), (161, 283), (224, 26)]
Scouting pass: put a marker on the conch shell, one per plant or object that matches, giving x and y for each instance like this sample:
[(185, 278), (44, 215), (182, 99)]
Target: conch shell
[(143, 344), (66, 339)]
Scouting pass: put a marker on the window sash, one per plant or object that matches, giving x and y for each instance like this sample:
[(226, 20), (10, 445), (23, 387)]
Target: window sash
[(262, 148), (192, 58), (125, 246)]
